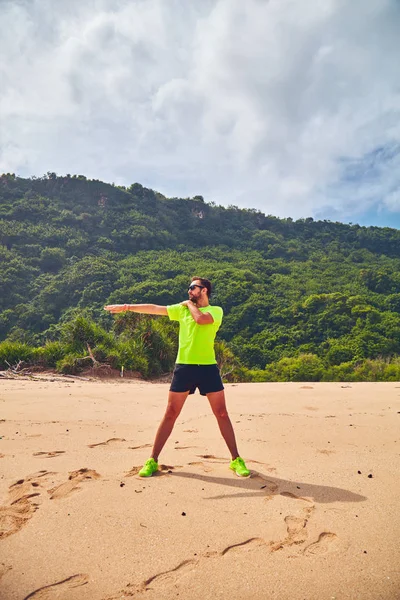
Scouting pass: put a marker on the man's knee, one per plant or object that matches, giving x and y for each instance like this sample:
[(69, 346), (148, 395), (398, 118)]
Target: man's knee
[(220, 412), (172, 412)]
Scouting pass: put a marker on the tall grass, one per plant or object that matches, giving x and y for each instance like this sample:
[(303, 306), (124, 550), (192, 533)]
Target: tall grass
[(148, 346)]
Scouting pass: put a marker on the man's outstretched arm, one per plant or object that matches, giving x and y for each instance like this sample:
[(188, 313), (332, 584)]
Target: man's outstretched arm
[(147, 309)]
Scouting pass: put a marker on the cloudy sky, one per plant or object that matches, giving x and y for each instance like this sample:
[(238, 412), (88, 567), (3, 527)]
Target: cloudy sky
[(288, 106)]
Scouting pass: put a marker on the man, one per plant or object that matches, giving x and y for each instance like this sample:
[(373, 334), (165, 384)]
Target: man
[(195, 367)]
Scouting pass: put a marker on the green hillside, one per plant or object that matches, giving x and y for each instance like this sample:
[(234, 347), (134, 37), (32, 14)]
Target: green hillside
[(303, 299)]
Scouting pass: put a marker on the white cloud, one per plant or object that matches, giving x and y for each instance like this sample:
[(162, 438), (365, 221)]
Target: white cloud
[(263, 104)]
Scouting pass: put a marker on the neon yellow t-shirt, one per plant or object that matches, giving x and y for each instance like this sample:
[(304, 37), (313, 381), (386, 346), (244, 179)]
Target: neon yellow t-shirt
[(196, 342)]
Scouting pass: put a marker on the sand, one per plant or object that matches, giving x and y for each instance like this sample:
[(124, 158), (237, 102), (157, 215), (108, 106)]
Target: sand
[(318, 518)]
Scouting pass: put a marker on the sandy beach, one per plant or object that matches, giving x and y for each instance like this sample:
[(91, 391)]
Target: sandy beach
[(317, 520)]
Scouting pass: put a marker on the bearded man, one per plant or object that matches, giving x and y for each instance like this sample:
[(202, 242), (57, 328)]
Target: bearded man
[(196, 367)]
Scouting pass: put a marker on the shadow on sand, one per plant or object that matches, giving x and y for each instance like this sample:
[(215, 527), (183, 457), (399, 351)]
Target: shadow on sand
[(262, 485)]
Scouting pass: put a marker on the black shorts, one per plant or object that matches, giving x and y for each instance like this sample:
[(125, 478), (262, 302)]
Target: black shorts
[(189, 377)]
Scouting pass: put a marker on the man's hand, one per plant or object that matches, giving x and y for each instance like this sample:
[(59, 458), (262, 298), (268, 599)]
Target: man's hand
[(187, 303), (116, 308)]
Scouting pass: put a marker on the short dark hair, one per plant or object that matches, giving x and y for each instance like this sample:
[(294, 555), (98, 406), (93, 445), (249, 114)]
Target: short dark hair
[(205, 282)]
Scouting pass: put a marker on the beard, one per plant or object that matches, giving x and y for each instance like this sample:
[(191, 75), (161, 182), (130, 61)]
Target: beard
[(194, 299)]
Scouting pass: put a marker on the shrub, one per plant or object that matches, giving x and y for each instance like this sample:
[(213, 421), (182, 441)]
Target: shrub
[(49, 354), (392, 371), (305, 367), (254, 375), (72, 363), (13, 352), (81, 331), (229, 365), (128, 355), (342, 372), (377, 370), (338, 354)]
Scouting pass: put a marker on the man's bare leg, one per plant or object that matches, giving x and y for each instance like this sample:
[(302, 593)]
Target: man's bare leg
[(217, 402), (176, 400)]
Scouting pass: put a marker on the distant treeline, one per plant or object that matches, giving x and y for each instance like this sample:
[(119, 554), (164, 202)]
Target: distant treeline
[(303, 300)]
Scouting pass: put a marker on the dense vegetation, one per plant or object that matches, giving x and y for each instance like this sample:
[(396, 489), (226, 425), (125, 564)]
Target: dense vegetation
[(303, 300)]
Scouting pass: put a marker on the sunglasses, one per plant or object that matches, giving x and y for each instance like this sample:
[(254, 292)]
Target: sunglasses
[(191, 287)]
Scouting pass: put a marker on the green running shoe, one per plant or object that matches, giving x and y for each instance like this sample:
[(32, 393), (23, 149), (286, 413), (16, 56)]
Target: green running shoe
[(149, 467), (238, 465)]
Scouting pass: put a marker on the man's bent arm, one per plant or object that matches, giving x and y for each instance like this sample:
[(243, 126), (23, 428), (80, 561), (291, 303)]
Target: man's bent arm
[(198, 316), (147, 309)]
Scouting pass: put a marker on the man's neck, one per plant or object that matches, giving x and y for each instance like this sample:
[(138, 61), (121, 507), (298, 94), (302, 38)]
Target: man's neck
[(202, 303)]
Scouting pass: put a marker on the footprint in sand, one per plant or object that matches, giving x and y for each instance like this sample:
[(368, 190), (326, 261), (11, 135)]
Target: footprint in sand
[(138, 447), (19, 507), (171, 576), (212, 458), (187, 566), (133, 471), (201, 465), (59, 590), (326, 542), (51, 454), (247, 545), (269, 486), (165, 579), (296, 528), (296, 534), (107, 442), (168, 579), (266, 467), (4, 569), (75, 478)]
